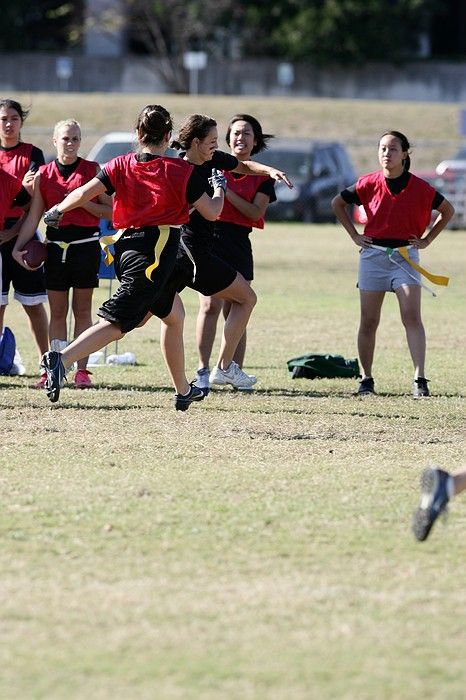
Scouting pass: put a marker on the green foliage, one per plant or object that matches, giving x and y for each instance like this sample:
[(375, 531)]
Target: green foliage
[(344, 31), (40, 25)]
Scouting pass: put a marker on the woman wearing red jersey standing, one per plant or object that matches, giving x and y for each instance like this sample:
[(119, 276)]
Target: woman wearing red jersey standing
[(150, 192), (73, 252), (398, 206), (246, 200), (21, 160)]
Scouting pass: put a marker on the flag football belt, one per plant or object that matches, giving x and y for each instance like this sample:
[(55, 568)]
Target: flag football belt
[(107, 241), (65, 246), (440, 280)]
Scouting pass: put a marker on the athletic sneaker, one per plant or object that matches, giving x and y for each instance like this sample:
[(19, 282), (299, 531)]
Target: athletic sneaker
[(202, 380), (366, 386), (434, 501), (183, 401), (53, 366), (233, 375), (82, 379), (41, 383), (420, 388)]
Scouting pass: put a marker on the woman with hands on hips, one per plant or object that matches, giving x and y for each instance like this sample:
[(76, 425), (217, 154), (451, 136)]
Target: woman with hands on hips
[(399, 207)]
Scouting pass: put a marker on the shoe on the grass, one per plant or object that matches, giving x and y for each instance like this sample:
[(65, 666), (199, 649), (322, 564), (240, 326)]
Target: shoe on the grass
[(366, 386), (420, 388), (41, 383), (183, 401), (202, 379), (233, 375), (82, 379), (434, 501), (53, 367)]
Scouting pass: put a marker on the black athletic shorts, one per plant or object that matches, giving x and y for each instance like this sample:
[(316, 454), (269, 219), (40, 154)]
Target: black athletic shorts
[(209, 276), (29, 285), (136, 295), (79, 269), (233, 244)]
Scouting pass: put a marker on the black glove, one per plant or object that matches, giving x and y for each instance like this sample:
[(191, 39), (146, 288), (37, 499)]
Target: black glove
[(218, 179), (52, 217)]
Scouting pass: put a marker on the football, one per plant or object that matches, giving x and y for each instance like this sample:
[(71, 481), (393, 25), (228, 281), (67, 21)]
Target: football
[(35, 253)]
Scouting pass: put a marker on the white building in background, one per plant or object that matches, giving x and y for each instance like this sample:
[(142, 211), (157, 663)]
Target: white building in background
[(104, 27)]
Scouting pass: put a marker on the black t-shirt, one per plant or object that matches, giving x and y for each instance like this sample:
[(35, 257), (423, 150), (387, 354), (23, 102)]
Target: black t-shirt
[(199, 229), (67, 170), (194, 189), (394, 184), (22, 198)]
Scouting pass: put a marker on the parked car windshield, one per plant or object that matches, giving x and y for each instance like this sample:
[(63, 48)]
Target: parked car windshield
[(291, 162), (112, 150)]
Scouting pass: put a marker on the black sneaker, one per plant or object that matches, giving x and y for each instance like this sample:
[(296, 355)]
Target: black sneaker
[(366, 386), (182, 401), (53, 366), (434, 501), (420, 388)]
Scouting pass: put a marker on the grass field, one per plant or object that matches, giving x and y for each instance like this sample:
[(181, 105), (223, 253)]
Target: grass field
[(256, 547), (432, 128)]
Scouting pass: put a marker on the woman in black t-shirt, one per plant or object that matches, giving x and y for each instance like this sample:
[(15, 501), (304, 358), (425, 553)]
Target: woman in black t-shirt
[(205, 271)]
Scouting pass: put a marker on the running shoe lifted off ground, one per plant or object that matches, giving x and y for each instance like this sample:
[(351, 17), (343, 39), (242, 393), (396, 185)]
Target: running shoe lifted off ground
[(434, 501), (53, 366)]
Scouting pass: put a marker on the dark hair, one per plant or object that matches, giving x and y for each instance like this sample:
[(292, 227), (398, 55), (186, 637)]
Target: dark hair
[(153, 124), (196, 126), (260, 138), (12, 104), (405, 145)]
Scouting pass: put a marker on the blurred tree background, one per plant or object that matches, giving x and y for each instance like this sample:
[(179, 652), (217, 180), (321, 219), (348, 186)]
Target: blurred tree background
[(347, 32)]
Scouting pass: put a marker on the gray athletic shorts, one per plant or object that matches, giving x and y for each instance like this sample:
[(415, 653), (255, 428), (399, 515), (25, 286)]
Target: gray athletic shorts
[(379, 272)]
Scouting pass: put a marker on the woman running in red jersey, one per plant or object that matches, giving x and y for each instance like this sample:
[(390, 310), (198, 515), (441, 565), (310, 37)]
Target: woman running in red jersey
[(152, 194)]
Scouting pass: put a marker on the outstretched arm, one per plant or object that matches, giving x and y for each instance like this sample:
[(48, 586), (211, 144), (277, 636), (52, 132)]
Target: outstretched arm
[(252, 167)]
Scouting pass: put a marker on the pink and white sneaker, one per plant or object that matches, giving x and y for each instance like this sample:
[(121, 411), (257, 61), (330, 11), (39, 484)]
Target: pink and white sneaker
[(82, 379)]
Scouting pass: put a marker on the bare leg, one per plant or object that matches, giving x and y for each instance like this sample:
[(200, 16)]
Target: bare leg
[(58, 302), (39, 325), (371, 305), (172, 346), (206, 327), (243, 299), (91, 340), (459, 482), (409, 299), (82, 312)]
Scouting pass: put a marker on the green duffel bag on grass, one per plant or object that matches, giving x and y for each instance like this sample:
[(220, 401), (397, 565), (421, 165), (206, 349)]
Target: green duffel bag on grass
[(317, 365)]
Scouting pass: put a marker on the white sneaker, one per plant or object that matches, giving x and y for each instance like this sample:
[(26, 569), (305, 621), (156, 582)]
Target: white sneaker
[(234, 375), (202, 380)]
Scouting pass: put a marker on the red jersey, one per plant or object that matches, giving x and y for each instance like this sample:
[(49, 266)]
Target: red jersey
[(149, 193), (54, 188), (246, 187), (395, 215), (16, 161), (9, 188)]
